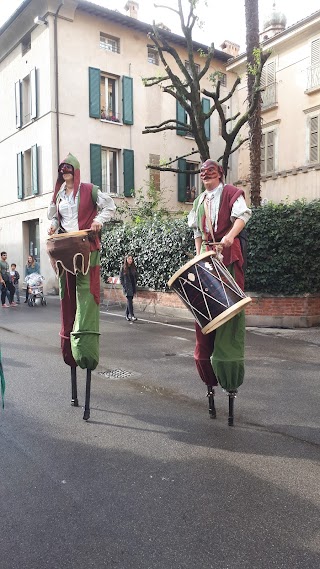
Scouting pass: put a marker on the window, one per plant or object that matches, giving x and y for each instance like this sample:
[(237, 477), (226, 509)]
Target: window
[(26, 99), (188, 67), (192, 182), (223, 79), (268, 81), (27, 173), (26, 44), (105, 95), (314, 69), (109, 96), (110, 170), (314, 139), (154, 175), (153, 55), (109, 43), (183, 117), (268, 152), (105, 169), (188, 181)]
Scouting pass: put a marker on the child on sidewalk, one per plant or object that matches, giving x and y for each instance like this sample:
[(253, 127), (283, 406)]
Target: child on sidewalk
[(15, 277)]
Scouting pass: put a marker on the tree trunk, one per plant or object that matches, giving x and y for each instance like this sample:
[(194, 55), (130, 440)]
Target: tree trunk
[(254, 121)]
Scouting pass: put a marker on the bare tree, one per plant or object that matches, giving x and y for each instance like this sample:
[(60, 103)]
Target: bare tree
[(187, 91)]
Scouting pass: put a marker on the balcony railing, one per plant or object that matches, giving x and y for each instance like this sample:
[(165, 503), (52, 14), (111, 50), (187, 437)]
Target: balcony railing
[(313, 77), (109, 115), (269, 96)]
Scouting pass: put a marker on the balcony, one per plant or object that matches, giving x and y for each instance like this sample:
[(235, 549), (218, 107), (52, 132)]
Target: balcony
[(269, 97), (313, 78)]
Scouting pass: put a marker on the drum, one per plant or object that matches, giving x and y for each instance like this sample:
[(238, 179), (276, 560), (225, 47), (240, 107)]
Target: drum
[(209, 291), (70, 252)]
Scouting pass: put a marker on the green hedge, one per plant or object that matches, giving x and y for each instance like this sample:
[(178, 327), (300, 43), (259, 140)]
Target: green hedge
[(159, 246), (284, 248), (283, 251)]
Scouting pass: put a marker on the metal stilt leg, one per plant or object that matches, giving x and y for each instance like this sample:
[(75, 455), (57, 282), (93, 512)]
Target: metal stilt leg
[(74, 394), (232, 396), (86, 414)]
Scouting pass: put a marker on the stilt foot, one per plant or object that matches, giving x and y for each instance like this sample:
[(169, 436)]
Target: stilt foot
[(74, 403), (212, 409), (86, 415)]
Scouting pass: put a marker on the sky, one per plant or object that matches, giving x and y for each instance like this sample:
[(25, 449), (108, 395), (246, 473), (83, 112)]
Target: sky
[(225, 22)]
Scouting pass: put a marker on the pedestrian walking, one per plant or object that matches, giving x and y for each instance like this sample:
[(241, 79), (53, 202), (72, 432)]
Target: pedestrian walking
[(6, 282), (128, 279)]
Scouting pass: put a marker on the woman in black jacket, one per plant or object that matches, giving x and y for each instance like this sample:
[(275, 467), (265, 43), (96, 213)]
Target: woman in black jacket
[(128, 279)]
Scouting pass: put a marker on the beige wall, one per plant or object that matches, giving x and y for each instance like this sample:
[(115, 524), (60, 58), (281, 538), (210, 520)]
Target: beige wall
[(14, 212), (293, 177)]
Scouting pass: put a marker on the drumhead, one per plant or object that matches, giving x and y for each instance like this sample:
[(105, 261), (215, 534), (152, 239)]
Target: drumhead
[(226, 315), (81, 232), (190, 264)]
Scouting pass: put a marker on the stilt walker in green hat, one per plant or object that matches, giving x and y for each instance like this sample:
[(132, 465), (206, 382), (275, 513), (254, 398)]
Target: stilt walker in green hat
[(75, 255)]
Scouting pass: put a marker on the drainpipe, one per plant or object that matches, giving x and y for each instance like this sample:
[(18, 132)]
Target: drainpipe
[(130, 131), (56, 67)]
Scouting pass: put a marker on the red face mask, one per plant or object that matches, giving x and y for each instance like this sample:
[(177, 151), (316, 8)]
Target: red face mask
[(207, 173), (65, 169)]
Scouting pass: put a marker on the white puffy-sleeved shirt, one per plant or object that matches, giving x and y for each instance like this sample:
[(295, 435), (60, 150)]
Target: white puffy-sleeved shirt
[(68, 210), (239, 210)]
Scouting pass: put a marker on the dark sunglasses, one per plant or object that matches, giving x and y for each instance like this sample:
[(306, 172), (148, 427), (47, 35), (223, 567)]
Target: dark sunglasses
[(66, 169)]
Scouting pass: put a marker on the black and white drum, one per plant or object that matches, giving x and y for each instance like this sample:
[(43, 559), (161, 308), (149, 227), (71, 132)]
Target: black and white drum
[(209, 291)]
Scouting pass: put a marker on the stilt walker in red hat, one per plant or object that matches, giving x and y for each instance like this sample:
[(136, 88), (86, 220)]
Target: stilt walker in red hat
[(218, 215)]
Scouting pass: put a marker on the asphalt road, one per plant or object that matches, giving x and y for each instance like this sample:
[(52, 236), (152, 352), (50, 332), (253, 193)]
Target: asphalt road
[(150, 481)]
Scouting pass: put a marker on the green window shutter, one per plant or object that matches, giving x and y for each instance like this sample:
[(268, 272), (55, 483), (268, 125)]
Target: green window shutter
[(206, 109), (182, 180), (127, 100), (94, 92), (128, 173), (34, 170), (20, 175), (181, 117), (33, 102), (95, 165), (314, 139), (18, 100)]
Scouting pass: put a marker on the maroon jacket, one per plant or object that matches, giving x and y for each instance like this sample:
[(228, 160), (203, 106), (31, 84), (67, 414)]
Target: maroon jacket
[(231, 254)]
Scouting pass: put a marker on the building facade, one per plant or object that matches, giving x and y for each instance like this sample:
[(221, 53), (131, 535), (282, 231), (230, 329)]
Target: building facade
[(71, 81), (290, 150)]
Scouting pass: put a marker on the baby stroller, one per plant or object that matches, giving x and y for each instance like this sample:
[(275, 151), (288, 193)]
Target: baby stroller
[(35, 290)]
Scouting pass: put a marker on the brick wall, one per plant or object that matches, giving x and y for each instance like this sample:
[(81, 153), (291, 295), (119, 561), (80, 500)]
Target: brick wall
[(264, 310)]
